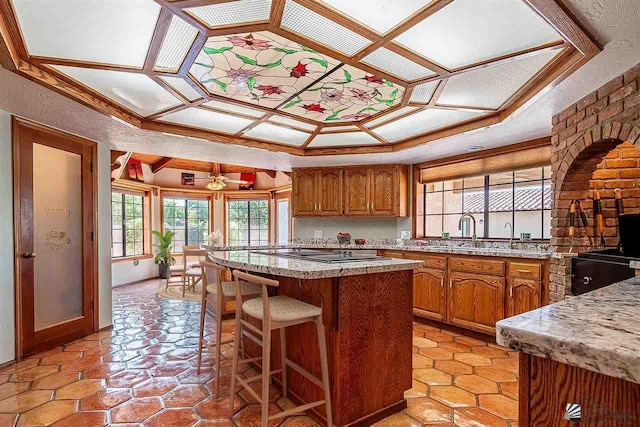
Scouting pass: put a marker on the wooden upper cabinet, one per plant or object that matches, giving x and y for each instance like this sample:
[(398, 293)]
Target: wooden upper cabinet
[(357, 188), (384, 192), (353, 190), (430, 293), (329, 192), (476, 301), (305, 201), (524, 295)]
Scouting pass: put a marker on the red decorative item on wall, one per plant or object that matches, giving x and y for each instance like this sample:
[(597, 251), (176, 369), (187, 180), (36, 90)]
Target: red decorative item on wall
[(250, 177), (135, 170)]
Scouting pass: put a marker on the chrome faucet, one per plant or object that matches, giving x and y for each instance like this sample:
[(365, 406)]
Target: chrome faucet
[(474, 238), (510, 234)]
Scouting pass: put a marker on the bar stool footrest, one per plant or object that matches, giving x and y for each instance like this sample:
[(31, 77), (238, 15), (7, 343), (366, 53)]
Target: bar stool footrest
[(297, 410)]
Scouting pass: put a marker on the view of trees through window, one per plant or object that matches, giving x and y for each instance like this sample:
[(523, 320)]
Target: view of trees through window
[(248, 222), (188, 219), (127, 224), (521, 198)]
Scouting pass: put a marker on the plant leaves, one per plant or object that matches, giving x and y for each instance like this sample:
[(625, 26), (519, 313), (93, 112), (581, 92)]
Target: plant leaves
[(293, 102), (347, 76), (222, 85), (394, 94), (388, 83), (283, 50), (320, 61), (204, 65), (251, 83), (246, 60), (368, 109), (272, 64), (334, 116), (307, 49), (213, 51)]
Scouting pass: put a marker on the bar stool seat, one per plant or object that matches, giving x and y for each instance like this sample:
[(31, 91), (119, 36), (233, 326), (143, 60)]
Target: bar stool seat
[(229, 289), (283, 309), (194, 272)]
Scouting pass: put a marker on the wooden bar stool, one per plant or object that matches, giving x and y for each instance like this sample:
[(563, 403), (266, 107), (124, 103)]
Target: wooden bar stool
[(212, 284), (281, 311)]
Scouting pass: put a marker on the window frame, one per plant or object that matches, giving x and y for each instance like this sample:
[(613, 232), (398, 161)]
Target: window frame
[(278, 197), (247, 198), (486, 191), (146, 221), (186, 196)]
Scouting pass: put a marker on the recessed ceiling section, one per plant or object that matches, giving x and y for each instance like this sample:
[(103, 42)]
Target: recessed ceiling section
[(235, 108), (207, 119), (390, 116), (465, 32), (422, 93), (422, 122), (259, 68), (398, 65), (283, 135), (116, 32), (343, 139), (182, 87), (379, 15), (136, 92), (231, 12), (490, 87), (346, 95), (175, 46), (283, 120), (316, 27), (330, 129)]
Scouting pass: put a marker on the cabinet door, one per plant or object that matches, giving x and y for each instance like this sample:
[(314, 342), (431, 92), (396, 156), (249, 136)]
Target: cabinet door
[(429, 293), (476, 301), (357, 191), (384, 192), (524, 295), (304, 193), (330, 192)]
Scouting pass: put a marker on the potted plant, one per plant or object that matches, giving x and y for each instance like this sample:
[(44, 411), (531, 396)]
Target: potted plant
[(163, 256)]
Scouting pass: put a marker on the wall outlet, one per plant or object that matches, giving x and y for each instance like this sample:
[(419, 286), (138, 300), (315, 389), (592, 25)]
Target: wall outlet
[(405, 235), (317, 234)]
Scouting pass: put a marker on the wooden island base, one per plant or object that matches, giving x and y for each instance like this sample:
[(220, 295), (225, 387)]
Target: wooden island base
[(368, 321), (547, 386)]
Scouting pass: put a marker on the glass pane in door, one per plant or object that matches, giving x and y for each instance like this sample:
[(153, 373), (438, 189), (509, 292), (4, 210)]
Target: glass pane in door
[(283, 221), (57, 207)]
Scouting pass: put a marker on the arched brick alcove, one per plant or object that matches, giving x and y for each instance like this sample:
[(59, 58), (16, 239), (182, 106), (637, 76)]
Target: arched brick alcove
[(604, 125)]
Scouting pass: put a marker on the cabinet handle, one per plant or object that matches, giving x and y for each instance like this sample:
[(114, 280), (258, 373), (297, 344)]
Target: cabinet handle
[(450, 283), (511, 292), (523, 271), (320, 206), (442, 282)]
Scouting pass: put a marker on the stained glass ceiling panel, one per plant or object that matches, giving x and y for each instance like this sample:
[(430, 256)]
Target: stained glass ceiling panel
[(115, 32), (379, 15), (260, 68), (346, 95)]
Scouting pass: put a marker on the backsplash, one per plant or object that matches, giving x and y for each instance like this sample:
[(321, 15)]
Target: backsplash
[(460, 243)]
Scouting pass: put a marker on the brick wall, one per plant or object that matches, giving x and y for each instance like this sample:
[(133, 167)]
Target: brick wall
[(594, 144)]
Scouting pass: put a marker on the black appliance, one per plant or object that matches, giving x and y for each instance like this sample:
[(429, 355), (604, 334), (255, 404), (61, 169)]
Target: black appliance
[(597, 269), (630, 234)]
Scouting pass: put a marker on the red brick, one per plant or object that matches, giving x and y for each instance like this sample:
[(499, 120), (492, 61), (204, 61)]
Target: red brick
[(610, 111), (587, 123), (632, 74), (596, 107), (623, 92), (630, 153), (620, 183), (567, 132), (587, 100), (605, 174), (610, 87), (620, 163), (632, 100), (564, 115), (576, 118), (630, 173)]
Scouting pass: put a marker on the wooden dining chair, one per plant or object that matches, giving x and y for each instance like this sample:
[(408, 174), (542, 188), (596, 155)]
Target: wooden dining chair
[(223, 292), (192, 265), (277, 312), (179, 269)]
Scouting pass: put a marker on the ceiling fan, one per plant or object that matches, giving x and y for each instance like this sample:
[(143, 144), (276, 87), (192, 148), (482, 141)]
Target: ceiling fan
[(219, 182)]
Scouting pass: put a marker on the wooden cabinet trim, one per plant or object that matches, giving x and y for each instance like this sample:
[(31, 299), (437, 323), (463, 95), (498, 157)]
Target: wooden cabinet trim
[(477, 265), (525, 270)]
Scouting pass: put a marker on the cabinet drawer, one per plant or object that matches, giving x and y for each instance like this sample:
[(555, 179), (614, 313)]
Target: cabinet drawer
[(392, 254), (475, 265), (430, 261), (524, 269)]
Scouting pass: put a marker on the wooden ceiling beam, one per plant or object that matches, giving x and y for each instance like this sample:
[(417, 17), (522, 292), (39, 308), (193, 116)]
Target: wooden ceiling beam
[(162, 26), (161, 164), (277, 9), (185, 4), (269, 172)]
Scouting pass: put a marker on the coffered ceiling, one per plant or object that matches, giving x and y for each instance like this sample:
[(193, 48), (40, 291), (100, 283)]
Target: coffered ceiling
[(305, 77)]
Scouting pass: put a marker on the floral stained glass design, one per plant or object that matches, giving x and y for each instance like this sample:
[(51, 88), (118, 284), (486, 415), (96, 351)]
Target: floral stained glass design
[(346, 95), (260, 68)]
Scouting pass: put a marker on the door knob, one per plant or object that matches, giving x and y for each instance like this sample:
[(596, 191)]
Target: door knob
[(28, 255)]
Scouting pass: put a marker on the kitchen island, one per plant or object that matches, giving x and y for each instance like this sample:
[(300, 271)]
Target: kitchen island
[(585, 351), (367, 314)]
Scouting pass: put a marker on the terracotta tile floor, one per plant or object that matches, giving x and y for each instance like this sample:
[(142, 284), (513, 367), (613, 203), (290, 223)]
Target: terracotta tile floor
[(143, 373)]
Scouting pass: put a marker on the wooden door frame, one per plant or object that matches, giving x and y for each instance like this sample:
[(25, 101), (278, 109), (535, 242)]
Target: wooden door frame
[(16, 125)]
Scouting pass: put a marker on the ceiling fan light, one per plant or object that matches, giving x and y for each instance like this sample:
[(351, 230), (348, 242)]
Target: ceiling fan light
[(215, 186)]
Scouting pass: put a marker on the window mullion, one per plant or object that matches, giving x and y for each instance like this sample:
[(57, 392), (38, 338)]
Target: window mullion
[(124, 227), (486, 206)]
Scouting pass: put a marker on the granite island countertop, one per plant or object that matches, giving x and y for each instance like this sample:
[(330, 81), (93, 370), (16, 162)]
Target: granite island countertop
[(598, 331), (304, 269)]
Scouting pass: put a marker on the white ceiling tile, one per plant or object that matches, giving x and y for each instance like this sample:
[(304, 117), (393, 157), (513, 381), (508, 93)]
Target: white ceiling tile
[(235, 108), (179, 84), (343, 139), (379, 15), (490, 87), (207, 119), (469, 31), (393, 114), (176, 45), (422, 93), (110, 32), (423, 121), (292, 122), (330, 129), (397, 65), (316, 27), (232, 12), (276, 133), (134, 91)]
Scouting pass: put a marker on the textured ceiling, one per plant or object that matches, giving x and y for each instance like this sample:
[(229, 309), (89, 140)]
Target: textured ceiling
[(614, 24)]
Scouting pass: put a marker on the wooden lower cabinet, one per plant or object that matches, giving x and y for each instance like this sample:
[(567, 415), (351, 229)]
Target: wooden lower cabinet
[(524, 295), (476, 301), (430, 293)]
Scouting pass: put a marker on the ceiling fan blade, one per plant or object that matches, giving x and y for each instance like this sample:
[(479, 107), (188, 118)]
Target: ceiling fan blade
[(236, 181)]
